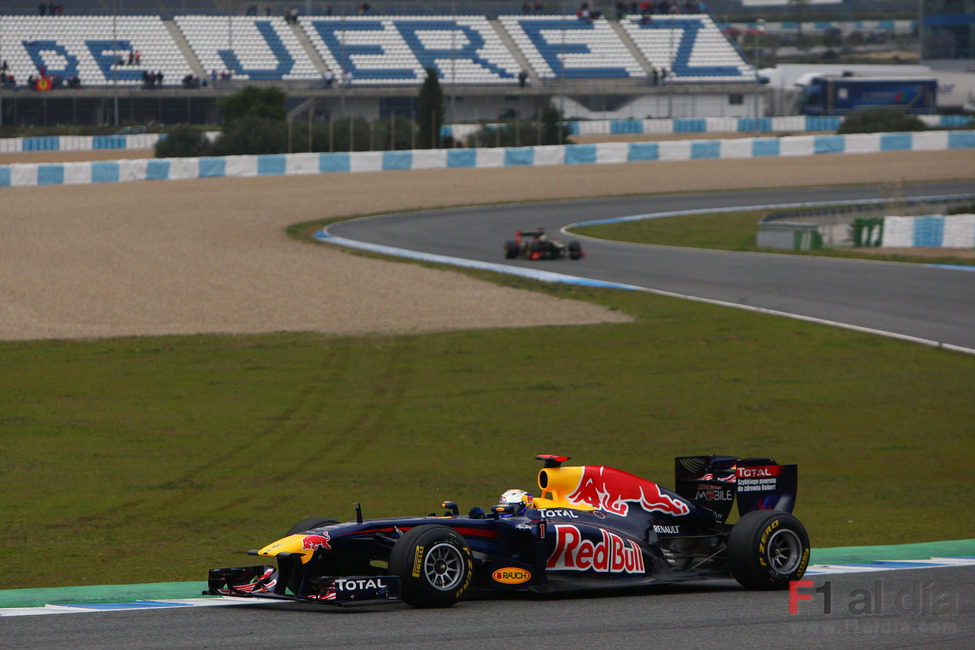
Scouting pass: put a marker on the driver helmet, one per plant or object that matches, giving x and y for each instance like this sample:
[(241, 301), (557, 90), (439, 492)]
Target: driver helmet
[(520, 499)]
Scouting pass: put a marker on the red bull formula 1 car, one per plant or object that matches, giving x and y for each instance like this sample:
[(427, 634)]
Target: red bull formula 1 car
[(592, 527), (534, 244)]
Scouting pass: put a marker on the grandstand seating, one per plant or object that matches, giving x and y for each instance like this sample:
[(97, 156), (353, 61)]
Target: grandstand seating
[(86, 46), (693, 43), (564, 46), (253, 49), (398, 49), (375, 50)]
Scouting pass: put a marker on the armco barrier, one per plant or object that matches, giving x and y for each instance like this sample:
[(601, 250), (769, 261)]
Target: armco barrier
[(21, 175)]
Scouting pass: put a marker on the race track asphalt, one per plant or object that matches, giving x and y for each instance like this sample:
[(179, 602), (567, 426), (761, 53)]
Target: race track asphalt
[(926, 302)]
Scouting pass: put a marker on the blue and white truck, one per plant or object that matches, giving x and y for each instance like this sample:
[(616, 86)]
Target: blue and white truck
[(843, 94)]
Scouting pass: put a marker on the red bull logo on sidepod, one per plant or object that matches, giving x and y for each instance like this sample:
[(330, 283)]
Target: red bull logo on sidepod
[(314, 542), (611, 554), (611, 490)]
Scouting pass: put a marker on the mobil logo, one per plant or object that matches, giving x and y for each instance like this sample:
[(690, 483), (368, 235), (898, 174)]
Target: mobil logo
[(314, 542), (613, 490), (611, 553)]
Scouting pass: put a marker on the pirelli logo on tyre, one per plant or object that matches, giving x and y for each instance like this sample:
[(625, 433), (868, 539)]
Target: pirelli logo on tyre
[(417, 561), (511, 576)]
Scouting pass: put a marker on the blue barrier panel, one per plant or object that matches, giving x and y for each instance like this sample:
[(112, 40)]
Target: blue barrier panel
[(705, 149), (896, 142), (333, 162), (212, 167), (461, 157), (104, 172), (4, 177), (929, 231), (108, 142), (690, 125), (953, 121), (41, 143), (643, 151), (766, 147), (579, 154), (397, 160), (519, 157), (829, 144), (272, 165), (822, 123), (626, 126), (50, 174), (746, 124), (961, 140), (157, 170)]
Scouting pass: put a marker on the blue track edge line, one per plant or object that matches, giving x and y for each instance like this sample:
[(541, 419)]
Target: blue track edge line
[(543, 276)]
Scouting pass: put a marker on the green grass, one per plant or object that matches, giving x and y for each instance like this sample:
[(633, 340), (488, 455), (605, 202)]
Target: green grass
[(152, 459), (733, 231)]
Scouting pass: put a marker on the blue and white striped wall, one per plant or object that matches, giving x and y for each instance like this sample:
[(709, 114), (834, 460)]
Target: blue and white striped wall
[(955, 231), (787, 124), (608, 152)]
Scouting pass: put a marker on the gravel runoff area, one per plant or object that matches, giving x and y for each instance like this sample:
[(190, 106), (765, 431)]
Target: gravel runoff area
[(212, 255)]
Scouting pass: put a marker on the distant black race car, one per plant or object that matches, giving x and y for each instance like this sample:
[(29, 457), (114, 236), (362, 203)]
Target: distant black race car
[(534, 244), (592, 527)]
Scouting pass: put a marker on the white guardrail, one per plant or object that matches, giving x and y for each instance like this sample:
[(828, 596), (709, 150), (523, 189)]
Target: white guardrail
[(115, 171)]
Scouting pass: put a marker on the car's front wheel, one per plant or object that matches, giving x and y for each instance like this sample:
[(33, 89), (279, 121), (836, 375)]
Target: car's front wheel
[(434, 565), (767, 549)]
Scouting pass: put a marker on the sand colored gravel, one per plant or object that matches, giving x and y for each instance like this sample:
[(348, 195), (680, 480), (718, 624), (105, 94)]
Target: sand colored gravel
[(202, 256)]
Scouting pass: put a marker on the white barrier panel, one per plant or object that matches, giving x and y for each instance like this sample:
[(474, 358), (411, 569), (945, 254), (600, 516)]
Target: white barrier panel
[(366, 161), (863, 143), (741, 148), (798, 145), (675, 150), (929, 141), (898, 232), (612, 152), (959, 231), (549, 155)]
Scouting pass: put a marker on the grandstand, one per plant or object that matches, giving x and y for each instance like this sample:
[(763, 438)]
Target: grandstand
[(367, 64)]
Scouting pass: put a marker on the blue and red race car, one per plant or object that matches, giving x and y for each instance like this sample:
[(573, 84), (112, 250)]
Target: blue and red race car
[(591, 527)]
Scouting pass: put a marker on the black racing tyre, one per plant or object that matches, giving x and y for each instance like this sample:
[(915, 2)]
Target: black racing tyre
[(510, 249), (434, 565), (575, 250), (308, 524), (767, 549)]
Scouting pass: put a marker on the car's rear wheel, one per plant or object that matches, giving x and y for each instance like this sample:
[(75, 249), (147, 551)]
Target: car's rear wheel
[(309, 524), (510, 249), (434, 565), (767, 549)]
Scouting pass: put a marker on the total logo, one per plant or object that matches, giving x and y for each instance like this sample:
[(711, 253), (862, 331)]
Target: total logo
[(758, 472), (551, 513), (612, 554), (355, 584), (511, 576)]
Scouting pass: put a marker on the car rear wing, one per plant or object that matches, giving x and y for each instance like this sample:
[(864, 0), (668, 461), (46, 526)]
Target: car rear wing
[(715, 482)]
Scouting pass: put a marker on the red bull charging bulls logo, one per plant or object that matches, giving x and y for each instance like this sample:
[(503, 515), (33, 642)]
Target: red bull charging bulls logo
[(314, 542), (611, 490)]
